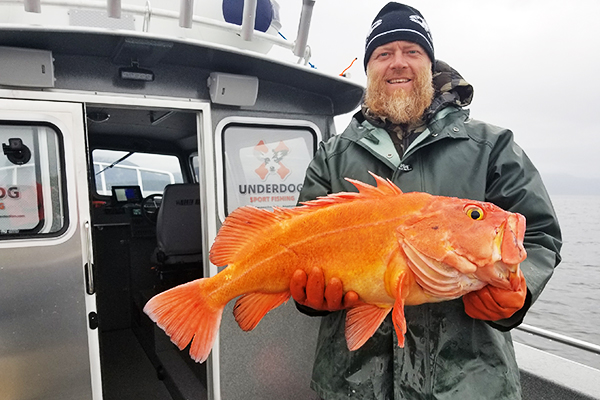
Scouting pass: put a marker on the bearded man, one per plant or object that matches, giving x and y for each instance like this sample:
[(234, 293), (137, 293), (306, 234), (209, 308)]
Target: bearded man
[(413, 129)]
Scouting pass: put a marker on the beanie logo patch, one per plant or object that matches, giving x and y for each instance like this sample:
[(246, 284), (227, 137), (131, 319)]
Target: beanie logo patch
[(421, 21), (374, 26)]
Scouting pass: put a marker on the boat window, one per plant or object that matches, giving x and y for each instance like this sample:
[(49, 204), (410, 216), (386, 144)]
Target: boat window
[(31, 181), (151, 172), (264, 165)]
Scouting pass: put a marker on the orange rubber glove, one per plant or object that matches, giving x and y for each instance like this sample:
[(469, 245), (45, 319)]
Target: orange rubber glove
[(311, 291), (492, 304)]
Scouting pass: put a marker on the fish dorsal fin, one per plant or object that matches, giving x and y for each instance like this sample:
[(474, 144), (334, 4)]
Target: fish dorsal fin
[(241, 229), (384, 188), (245, 225)]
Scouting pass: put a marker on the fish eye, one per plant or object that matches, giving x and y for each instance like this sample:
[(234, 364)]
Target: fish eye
[(474, 212)]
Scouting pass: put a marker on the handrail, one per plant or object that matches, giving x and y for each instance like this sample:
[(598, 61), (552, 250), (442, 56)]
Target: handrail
[(591, 347), (147, 13)]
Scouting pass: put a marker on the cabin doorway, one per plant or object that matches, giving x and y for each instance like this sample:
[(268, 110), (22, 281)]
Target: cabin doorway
[(135, 153)]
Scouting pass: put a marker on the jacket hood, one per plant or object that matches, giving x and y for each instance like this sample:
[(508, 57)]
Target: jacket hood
[(450, 89)]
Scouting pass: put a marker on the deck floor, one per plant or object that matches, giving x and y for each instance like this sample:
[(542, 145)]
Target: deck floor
[(131, 375)]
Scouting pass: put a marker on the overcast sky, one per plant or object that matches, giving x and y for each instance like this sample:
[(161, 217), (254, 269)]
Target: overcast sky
[(533, 64)]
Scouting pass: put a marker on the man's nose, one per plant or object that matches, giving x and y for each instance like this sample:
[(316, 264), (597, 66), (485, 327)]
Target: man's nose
[(399, 61)]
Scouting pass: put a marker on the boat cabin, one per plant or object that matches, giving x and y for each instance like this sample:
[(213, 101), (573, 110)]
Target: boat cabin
[(129, 132)]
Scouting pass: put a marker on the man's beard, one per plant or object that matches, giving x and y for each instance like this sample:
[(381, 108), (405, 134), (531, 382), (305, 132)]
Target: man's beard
[(400, 107)]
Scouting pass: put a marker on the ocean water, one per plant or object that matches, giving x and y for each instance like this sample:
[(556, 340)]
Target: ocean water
[(570, 303)]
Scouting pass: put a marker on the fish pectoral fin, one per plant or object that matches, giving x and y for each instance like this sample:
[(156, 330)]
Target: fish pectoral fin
[(251, 308), (398, 314), (362, 322)]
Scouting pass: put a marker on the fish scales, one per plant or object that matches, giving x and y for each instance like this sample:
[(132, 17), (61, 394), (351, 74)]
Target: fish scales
[(316, 238)]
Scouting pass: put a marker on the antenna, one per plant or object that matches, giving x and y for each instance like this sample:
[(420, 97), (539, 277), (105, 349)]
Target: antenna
[(303, 28), (249, 19), (186, 13), (113, 7)]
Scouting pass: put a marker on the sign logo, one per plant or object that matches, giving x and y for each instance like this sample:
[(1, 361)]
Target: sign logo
[(271, 160), (10, 192)]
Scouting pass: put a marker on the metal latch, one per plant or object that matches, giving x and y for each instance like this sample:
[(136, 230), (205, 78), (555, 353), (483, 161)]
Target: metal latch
[(93, 320)]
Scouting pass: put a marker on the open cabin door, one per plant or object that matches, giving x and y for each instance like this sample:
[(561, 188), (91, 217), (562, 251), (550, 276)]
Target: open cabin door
[(48, 335)]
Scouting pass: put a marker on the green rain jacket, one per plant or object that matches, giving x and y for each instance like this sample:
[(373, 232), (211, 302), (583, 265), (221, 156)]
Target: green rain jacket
[(447, 354)]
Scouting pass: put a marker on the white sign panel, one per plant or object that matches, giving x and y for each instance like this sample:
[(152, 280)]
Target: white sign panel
[(265, 164)]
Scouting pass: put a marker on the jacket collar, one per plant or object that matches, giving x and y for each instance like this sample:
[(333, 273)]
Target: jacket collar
[(448, 123), (439, 126)]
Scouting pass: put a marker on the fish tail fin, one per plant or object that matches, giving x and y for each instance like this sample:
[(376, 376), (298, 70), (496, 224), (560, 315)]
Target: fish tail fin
[(398, 317), (251, 308), (185, 313), (362, 322)]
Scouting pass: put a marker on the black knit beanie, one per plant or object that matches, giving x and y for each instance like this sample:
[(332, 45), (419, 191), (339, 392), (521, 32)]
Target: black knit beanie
[(397, 21)]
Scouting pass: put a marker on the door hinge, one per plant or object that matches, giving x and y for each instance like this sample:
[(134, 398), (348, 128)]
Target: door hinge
[(89, 266), (90, 288)]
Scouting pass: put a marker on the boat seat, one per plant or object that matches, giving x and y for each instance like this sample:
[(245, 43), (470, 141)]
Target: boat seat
[(178, 255)]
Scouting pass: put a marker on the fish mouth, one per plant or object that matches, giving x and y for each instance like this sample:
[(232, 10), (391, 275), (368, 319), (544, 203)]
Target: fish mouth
[(440, 279), (513, 234), (498, 274), (508, 254)]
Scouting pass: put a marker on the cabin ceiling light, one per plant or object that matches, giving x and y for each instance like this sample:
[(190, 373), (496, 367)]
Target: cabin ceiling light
[(33, 6), (135, 73), (98, 116), (113, 7), (145, 52)]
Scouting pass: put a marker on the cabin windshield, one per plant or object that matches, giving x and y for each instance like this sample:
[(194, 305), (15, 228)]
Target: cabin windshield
[(151, 172)]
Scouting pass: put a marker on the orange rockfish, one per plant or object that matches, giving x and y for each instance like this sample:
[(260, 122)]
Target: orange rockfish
[(392, 248)]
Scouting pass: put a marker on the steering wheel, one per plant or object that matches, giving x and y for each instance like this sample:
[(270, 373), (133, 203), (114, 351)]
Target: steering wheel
[(150, 206)]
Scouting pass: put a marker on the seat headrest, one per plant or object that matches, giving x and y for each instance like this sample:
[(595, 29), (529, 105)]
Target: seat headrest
[(178, 225)]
